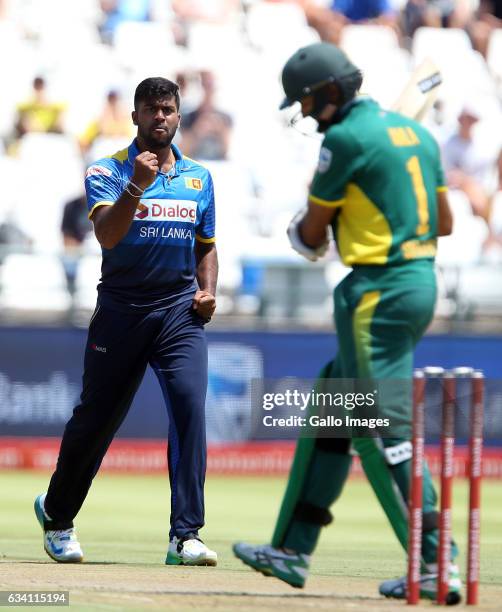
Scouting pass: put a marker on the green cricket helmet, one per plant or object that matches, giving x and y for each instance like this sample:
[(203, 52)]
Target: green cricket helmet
[(312, 68)]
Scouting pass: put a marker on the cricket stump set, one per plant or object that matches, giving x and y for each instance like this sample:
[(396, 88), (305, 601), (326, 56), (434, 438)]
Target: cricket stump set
[(448, 379)]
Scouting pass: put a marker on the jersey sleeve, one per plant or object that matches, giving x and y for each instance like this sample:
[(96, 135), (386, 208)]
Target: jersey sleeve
[(205, 231), (338, 160), (103, 185)]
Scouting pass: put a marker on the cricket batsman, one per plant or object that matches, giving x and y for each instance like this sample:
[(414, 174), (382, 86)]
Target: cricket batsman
[(380, 186)]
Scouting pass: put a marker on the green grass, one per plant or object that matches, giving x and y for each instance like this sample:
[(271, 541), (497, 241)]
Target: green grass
[(125, 520)]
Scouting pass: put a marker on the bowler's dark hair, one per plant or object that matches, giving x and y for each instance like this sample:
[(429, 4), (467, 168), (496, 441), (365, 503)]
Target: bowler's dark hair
[(155, 88)]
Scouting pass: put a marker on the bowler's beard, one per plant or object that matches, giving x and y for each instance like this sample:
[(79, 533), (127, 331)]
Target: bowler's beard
[(156, 143)]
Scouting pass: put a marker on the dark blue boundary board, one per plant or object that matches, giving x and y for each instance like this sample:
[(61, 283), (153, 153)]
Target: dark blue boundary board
[(41, 370)]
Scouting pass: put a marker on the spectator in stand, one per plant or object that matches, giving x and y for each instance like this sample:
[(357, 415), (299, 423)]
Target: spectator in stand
[(38, 113), (216, 11), (436, 14), (426, 13), (74, 227), (187, 12), (470, 165), (117, 11), (206, 130), (329, 22), (487, 19), (113, 122)]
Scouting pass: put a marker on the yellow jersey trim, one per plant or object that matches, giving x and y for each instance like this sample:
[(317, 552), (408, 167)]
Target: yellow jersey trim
[(442, 189), (194, 161), (361, 329), (120, 156), (364, 235), (326, 203), (205, 240), (97, 205)]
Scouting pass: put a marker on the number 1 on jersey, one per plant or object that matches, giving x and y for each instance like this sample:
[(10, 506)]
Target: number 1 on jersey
[(413, 167)]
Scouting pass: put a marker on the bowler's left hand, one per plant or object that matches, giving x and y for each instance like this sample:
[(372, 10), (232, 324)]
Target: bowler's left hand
[(204, 304)]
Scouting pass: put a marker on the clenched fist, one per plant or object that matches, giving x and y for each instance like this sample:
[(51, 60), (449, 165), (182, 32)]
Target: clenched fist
[(146, 166), (204, 304)]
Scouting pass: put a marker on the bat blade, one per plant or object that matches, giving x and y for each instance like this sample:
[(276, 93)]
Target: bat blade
[(420, 92)]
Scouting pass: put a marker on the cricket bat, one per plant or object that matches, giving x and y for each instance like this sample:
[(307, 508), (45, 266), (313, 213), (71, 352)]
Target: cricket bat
[(420, 92)]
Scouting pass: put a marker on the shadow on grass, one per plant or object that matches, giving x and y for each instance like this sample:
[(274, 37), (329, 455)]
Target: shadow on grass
[(16, 560)]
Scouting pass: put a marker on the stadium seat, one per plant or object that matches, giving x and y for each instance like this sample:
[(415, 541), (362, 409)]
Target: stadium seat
[(496, 214), (451, 50), (447, 284), (104, 146), (363, 41), (278, 29), (33, 283), (480, 290), (56, 175), (96, 64), (203, 53), (464, 245), (233, 227), (494, 56), (385, 66), (139, 55), (294, 289), (86, 281), (10, 179), (443, 45)]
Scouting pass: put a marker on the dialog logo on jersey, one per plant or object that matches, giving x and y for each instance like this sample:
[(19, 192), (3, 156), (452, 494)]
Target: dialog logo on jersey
[(141, 211), (175, 211)]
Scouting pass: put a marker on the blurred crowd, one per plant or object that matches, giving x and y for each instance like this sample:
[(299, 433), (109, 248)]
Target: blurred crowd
[(71, 67)]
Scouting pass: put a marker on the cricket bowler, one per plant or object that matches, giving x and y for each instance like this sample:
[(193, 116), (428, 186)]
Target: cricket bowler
[(154, 215), (380, 186)]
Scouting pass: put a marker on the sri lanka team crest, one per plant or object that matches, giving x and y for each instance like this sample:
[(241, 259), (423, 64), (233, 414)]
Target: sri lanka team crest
[(193, 183)]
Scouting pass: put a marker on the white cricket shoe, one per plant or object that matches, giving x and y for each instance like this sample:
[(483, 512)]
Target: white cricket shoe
[(396, 588), (190, 551), (61, 544)]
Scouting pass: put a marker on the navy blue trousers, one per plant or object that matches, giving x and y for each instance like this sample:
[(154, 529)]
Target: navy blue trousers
[(119, 348)]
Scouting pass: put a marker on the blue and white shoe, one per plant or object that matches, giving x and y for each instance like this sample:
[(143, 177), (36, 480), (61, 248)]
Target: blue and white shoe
[(62, 544), (291, 567)]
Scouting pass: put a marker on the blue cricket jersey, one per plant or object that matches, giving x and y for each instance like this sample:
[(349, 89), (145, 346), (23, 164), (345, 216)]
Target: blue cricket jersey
[(153, 266)]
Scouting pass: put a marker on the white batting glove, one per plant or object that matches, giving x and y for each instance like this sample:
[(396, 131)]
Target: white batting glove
[(296, 242)]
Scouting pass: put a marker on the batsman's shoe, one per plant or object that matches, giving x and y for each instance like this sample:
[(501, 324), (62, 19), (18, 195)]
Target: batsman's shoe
[(62, 544), (428, 585), (190, 550), (287, 566)]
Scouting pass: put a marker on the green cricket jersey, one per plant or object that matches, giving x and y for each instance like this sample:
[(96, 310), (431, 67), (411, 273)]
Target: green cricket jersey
[(381, 172)]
